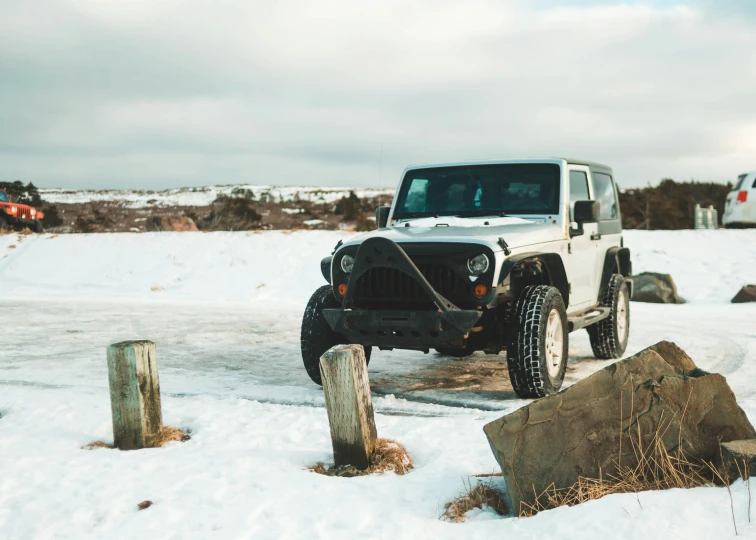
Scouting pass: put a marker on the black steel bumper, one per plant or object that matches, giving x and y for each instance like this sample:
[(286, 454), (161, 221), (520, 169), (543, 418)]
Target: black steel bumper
[(403, 329), (444, 326)]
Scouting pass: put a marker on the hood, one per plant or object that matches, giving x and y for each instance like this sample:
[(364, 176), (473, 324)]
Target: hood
[(517, 232)]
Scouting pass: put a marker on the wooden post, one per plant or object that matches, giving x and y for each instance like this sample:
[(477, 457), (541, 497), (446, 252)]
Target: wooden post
[(134, 395), (350, 408)]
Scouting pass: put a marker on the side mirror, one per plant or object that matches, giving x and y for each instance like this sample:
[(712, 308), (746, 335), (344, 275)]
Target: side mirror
[(381, 216), (586, 212)]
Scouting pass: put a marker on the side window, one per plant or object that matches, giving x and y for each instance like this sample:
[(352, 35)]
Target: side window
[(754, 183), (578, 189), (603, 190)]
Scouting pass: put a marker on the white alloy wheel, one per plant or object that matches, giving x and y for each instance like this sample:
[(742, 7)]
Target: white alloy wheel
[(622, 326), (554, 343)]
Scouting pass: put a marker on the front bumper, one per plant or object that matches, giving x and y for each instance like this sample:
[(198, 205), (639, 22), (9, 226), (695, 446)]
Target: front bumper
[(443, 326), (21, 223), (403, 329)]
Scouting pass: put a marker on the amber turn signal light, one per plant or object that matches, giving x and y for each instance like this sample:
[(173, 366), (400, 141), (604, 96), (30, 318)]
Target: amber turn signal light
[(342, 289), (480, 290)]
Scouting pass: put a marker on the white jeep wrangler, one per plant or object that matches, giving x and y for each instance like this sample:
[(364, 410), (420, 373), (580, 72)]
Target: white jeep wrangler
[(483, 256)]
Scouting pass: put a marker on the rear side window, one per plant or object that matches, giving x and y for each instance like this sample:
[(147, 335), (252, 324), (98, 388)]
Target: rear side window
[(603, 191), (739, 183), (578, 189)]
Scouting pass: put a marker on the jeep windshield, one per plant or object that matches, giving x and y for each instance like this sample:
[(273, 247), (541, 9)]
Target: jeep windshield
[(3, 197), (479, 190)]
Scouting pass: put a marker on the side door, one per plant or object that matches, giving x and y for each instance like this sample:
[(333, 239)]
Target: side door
[(581, 249), (610, 220)]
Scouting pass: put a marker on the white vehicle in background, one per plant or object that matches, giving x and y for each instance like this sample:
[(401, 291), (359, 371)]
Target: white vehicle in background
[(740, 207)]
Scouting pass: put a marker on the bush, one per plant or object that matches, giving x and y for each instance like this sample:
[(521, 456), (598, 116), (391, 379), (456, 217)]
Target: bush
[(349, 207), (231, 214), (52, 218), (670, 205), (22, 194)]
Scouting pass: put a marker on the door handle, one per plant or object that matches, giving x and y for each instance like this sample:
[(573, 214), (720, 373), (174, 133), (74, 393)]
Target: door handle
[(595, 236)]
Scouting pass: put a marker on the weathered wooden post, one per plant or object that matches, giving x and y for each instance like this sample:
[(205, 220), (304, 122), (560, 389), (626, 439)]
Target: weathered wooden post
[(350, 408), (134, 395)]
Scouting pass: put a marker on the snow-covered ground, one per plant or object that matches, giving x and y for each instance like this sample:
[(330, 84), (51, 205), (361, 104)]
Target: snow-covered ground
[(203, 196), (224, 309)]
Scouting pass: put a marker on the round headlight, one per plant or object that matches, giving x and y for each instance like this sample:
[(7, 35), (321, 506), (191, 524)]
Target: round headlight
[(347, 263), (477, 265)]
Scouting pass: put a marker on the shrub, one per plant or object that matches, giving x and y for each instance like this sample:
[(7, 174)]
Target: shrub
[(231, 214), (670, 205), (51, 217)]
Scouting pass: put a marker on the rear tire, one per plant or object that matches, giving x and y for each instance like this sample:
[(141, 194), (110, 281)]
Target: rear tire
[(609, 336), (317, 336), (538, 342)]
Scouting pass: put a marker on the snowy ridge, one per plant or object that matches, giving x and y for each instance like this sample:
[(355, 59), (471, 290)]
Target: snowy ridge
[(284, 268), (203, 196)]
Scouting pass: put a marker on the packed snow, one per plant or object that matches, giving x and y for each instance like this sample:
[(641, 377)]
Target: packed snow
[(224, 310), (203, 196)]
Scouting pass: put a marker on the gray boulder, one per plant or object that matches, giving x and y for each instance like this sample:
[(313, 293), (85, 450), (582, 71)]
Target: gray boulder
[(746, 294), (577, 433), (655, 288)]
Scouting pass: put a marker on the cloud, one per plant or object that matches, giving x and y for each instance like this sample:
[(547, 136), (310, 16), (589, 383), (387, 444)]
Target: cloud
[(159, 94)]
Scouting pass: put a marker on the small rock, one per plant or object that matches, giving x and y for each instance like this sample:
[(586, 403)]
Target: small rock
[(144, 505), (746, 294), (739, 459)]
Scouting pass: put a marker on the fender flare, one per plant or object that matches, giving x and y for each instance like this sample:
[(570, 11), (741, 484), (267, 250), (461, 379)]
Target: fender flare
[(554, 266), (616, 257), (325, 268)]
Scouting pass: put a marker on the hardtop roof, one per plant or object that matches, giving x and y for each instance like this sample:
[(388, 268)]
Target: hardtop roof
[(569, 161)]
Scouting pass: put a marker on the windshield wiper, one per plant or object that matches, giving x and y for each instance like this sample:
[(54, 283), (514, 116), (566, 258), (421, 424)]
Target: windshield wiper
[(482, 213)]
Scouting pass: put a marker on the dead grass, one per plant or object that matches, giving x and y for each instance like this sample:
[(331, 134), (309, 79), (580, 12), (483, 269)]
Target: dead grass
[(97, 444), (169, 434), (475, 497), (657, 469), (388, 456)]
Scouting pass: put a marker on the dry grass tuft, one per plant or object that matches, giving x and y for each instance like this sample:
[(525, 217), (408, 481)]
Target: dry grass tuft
[(658, 468), (389, 455), (475, 497), (97, 444), (169, 434)]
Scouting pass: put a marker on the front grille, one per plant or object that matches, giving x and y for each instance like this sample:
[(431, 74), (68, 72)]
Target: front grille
[(392, 285)]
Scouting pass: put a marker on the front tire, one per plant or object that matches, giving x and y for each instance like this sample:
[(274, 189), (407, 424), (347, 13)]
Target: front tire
[(538, 342), (317, 336), (609, 336), (37, 227)]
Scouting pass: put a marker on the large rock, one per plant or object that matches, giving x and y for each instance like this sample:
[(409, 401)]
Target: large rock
[(655, 288), (171, 223), (577, 433), (746, 294)]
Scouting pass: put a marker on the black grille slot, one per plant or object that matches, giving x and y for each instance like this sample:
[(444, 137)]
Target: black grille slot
[(386, 284)]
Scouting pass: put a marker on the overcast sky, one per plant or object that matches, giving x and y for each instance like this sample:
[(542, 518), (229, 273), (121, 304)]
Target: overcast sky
[(155, 93)]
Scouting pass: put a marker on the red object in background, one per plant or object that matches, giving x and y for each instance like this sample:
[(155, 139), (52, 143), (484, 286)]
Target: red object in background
[(742, 196)]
